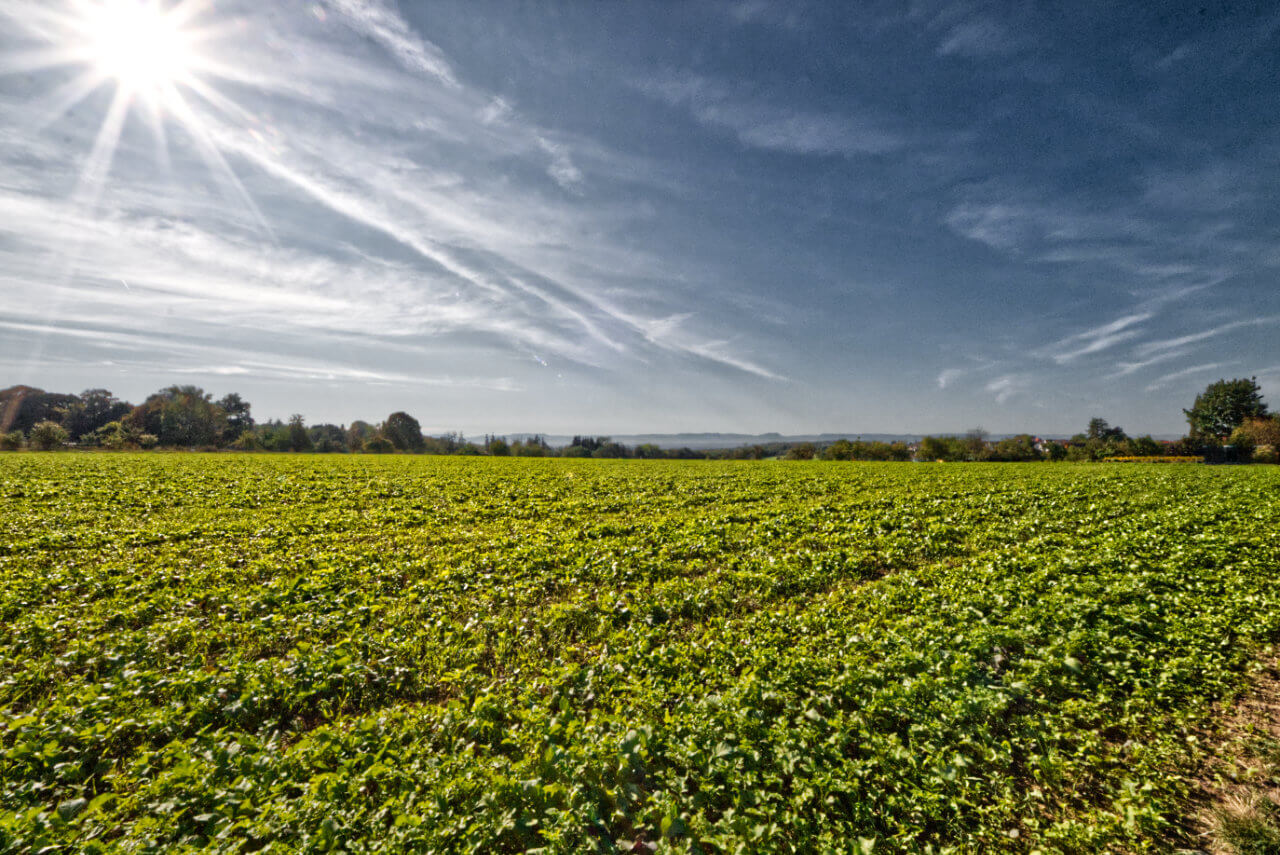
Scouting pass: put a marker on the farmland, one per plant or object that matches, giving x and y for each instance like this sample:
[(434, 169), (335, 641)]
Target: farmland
[(273, 653)]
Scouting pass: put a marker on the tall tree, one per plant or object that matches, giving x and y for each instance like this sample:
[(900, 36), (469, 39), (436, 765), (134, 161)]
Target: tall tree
[(404, 432), (1099, 429), (358, 433), (92, 409), (1224, 406), (238, 420), (180, 416), (299, 439), (22, 406)]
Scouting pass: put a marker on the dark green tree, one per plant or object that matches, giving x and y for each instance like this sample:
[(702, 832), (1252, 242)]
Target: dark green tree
[(940, 448), (328, 439), (1224, 406), (403, 431), (179, 416), (238, 419), (1099, 429), (92, 409), (22, 406), (801, 451), (299, 439), (358, 433), (1145, 446)]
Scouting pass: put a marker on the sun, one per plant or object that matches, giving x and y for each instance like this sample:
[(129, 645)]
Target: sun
[(160, 60), (139, 44)]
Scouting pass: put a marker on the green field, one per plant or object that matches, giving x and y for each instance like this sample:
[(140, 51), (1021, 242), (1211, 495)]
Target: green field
[(276, 653)]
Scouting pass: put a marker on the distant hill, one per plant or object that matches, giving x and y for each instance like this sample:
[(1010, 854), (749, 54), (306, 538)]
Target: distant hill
[(702, 441), (705, 441)]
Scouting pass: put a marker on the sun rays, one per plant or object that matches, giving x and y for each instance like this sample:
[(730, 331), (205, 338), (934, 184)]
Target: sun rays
[(158, 57)]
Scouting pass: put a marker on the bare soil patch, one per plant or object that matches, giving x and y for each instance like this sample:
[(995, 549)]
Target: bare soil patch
[(1236, 800)]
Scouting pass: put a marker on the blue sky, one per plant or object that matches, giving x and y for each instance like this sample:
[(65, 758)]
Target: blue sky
[(572, 217)]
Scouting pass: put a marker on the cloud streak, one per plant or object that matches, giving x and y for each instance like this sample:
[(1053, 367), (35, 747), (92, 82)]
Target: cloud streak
[(772, 126), (487, 264), (1170, 379), (1096, 340)]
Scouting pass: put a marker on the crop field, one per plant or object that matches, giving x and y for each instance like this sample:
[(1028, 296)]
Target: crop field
[(275, 653)]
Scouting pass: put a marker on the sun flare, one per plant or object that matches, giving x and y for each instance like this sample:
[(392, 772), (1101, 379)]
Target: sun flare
[(140, 45), (160, 60)]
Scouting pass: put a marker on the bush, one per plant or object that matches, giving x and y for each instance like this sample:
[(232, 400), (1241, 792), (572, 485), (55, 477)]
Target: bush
[(1266, 454), (11, 441), (247, 441), (148, 440), (47, 435), (115, 435), (803, 451), (378, 445)]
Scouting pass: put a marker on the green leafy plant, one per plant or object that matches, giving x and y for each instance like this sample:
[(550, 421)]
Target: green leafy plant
[(483, 654)]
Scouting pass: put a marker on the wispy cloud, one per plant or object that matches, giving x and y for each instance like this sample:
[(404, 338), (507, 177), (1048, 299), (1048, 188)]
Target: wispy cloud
[(464, 252), (1008, 385), (381, 23), (1153, 347), (188, 357), (770, 125), (1126, 368), (979, 38), (1097, 339), (1170, 379), (561, 169), (949, 375), (999, 226)]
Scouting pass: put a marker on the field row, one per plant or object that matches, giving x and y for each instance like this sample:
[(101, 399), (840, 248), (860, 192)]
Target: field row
[(248, 653)]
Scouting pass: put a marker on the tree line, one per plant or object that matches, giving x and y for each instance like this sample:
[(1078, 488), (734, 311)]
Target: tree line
[(189, 417), (1228, 422)]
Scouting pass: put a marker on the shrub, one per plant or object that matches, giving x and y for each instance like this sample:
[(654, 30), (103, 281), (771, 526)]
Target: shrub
[(47, 435), (11, 441), (378, 445), (247, 441)]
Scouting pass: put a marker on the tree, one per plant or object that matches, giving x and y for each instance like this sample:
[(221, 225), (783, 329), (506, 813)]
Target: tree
[(179, 416), (116, 435), (403, 431), (1099, 429), (1016, 448), (238, 420), (975, 444), (299, 440), (11, 441), (92, 409), (1145, 446), (22, 406), (358, 433), (47, 435), (940, 448), (801, 451), (328, 439), (1224, 406), (841, 449), (611, 450), (1261, 432), (248, 441)]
